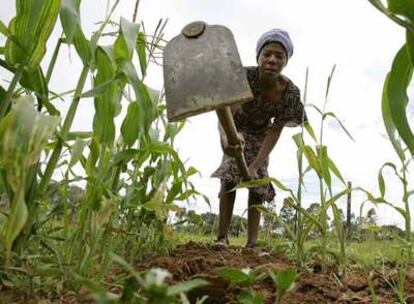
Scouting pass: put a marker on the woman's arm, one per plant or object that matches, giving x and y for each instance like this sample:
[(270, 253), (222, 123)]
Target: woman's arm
[(267, 146), (229, 149)]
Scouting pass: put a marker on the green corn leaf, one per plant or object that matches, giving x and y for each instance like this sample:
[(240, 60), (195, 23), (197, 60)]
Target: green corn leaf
[(192, 171), (34, 80), (381, 183), (4, 30), (23, 135), (70, 18), (128, 69), (314, 107), (186, 195), (130, 125), (77, 151), (174, 191), (309, 129), (410, 45), (254, 183), (71, 24), (337, 196), (93, 157), (402, 7), (14, 223), (184, 287), (331, 114), (31, 29), (285, 280), (338, 220), (280, 185), (322, 152), (126, 40), (388, 122), (396, 92), (306, 213), (298, 139), (402, 211), (148, 110), (141, 51), (98, 90), (158, 147), (81, 134), (124, 155), (334, 169), (251, 298), (312, 159), (234, 275), (121, 51), (107, 105)]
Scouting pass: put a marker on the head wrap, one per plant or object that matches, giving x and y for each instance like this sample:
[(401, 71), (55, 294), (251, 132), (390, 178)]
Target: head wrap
[(275, 35)]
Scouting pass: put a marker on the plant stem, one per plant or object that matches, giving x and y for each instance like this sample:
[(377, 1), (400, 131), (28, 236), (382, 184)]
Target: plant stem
[(299, 225), (378, 5), (407, 208), (134, 16), (324, 219), (7, 101), (53, 60), (54, 158)]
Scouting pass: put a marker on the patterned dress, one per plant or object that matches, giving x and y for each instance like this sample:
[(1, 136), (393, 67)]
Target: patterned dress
[(253, 120)]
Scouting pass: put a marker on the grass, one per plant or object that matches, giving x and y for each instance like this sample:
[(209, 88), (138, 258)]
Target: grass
[(370, 253)]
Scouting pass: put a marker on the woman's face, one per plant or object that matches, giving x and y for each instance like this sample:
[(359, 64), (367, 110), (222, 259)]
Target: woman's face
[(272, 60)]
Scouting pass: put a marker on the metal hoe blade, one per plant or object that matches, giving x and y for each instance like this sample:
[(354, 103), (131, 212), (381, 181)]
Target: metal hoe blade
[(203, 71)]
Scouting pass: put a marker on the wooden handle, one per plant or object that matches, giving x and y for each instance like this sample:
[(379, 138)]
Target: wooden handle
[(227, 123)]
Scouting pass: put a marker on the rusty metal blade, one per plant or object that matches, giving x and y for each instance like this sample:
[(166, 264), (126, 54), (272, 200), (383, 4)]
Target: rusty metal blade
[(203, 72)]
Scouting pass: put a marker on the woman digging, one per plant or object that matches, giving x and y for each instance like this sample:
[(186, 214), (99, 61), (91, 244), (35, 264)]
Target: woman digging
[(276, 104)]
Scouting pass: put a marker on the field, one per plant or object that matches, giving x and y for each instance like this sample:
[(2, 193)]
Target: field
[(371, 275), (93, 217)]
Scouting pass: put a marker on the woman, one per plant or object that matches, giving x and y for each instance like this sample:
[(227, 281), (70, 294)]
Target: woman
[(276, 104)]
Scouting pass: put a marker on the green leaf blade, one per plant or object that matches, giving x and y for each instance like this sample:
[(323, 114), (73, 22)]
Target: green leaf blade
[(31, 29)]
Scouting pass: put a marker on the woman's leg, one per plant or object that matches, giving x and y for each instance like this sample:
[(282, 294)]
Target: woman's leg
[(226, 210), (253, 219)]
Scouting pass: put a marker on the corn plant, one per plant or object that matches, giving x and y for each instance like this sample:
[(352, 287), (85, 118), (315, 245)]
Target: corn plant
[(394, 99), (132, 174), (153, 288), (25, 47), (394, 105), (284, 281), (245, 278), (320, 162)]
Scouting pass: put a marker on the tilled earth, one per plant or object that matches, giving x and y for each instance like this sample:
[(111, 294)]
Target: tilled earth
[(197, 260)]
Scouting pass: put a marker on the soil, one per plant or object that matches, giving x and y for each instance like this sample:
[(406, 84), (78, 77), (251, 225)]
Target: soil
[(313, 285), (195, 260)]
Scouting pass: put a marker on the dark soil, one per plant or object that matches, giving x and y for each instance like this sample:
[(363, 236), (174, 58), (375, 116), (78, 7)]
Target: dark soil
[(195, 260)]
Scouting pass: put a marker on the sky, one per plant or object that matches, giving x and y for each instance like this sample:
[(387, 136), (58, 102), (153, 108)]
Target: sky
[(350, 34)]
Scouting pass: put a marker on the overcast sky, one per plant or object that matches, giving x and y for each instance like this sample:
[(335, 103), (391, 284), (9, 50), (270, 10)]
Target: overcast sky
[(351, 34)]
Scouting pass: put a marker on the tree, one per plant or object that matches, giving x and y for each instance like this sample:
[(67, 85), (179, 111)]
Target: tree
[(287, 214), (372, 217), (238, 224), (269, 222)]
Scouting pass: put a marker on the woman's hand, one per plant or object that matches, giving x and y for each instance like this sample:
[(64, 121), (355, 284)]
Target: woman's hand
[(252, 170)]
